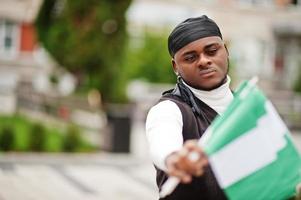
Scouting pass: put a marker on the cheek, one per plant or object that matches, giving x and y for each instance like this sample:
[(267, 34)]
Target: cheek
[(223, 64), (185, 69)]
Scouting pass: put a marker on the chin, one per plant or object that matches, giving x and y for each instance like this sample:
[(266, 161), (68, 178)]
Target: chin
[(211, 86), (208, 88)]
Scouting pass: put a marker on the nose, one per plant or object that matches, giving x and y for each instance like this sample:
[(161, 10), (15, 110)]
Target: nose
[(204, 61)]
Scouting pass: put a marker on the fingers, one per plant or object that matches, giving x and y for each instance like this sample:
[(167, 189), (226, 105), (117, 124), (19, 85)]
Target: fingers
[(192, 146), (189, 161), (195, 159), (172, 163)]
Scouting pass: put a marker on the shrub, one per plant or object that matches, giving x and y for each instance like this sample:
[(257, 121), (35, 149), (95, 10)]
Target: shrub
[(72, 140), (7, 139), (37, 138), (20, 134)]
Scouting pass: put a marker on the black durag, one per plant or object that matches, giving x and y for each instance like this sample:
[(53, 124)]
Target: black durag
[(190, 30)]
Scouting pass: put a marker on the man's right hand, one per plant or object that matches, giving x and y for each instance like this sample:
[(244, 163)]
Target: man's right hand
[(181, 165)]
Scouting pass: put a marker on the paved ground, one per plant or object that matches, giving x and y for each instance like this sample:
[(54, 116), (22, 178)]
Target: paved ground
[(78, 177), (101, 176)]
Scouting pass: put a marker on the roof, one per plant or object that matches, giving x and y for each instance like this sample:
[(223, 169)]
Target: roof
[(20, 10)]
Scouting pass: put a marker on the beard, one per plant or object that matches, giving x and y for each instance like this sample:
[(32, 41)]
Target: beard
[(224, 80)]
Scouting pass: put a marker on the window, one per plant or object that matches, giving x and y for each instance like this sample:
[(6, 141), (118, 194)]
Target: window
[(8, 39), (296, 2)]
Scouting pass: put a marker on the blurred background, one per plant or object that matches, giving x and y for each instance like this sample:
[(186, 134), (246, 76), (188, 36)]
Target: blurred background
[(78, 77)]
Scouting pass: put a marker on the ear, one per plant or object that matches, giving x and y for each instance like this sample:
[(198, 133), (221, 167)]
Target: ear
[(174, 67)]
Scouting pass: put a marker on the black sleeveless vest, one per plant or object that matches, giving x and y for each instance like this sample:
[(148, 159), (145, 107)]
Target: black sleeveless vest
[(206, 186)]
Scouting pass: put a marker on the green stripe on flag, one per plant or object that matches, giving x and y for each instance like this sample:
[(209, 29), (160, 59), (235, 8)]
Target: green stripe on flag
[(276, 181), (250, 149), (237, 110)]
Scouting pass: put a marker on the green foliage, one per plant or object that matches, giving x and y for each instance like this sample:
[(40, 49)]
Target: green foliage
[(7, 139), (37, 138), (72, 139), (17, 133), (150, 60), (87, 39), (54, 79)]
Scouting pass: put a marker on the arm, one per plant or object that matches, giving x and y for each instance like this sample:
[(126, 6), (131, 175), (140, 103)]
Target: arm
[(164, 134), (164, 131)]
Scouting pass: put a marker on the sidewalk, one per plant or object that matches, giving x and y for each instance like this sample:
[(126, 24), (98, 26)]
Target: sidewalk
[(75, 177), (100, 176)]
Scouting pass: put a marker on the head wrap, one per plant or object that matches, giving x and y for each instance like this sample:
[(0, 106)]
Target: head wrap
[(190, 30)]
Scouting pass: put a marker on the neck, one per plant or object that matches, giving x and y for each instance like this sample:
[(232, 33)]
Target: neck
[(218, 98)]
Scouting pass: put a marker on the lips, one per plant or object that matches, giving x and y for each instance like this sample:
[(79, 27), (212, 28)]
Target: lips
[(207, 72)]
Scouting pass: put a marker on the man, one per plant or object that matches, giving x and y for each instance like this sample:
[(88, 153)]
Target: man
[(200, 61)]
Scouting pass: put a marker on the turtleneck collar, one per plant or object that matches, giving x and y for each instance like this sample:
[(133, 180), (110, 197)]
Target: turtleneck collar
[(218, 98)]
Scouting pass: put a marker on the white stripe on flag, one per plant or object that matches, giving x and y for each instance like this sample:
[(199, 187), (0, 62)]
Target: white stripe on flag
[(251, 151), (276, 127)]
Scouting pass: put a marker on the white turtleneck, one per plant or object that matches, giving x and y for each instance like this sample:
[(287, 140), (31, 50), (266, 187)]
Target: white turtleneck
[(164, 121), (218, 99)]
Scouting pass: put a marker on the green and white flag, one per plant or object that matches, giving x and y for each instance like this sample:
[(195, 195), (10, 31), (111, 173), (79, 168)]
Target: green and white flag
[(250, 149)]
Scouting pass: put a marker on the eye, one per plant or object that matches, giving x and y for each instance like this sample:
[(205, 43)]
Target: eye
[(212, 51), (190, 58)]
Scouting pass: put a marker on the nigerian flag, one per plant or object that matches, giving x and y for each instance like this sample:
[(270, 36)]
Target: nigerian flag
[(250, 149)]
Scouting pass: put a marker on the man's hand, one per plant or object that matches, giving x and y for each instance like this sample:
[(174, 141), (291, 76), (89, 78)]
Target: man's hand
[(189, 161)]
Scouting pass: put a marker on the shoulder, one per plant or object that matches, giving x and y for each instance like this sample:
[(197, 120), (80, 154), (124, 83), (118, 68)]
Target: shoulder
[(165, 106), (164, 112)]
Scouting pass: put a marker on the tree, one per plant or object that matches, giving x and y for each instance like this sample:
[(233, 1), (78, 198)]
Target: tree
[(150, 60), (88, 39)]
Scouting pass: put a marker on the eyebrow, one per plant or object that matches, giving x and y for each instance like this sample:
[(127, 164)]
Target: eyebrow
[(206, 47), (212, 44)]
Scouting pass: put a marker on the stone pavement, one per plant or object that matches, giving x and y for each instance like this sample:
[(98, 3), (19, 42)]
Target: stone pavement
[(101, 176), (75, 177)]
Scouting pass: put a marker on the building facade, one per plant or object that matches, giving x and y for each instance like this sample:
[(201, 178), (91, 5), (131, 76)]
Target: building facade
[(21, 58), (263, 37)]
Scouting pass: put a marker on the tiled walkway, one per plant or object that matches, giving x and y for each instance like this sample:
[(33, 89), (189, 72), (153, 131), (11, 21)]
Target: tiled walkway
[(81, 177), (100, 176)]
